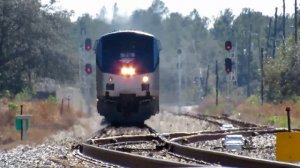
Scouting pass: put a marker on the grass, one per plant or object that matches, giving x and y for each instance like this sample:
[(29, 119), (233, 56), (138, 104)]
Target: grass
[(252, 111), (46, 119)]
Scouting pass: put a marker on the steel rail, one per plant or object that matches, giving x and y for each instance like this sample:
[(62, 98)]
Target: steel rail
[(205, 117), (184, 134), (127, 159), (124, 138), (213, 136), (233, 121), (225, 159)]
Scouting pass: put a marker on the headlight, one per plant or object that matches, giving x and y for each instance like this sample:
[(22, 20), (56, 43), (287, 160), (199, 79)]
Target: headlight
[(145, 79), (128, 71)]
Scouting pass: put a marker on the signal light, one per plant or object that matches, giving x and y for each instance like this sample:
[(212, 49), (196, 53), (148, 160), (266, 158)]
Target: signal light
[(88, 68), (88, 44), (228, 65), (228, 45)]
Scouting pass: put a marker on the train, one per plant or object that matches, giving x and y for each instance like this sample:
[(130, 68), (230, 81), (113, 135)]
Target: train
[(127, 76)]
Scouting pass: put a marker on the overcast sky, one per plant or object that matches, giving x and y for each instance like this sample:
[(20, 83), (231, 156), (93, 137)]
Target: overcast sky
[(208, 8)]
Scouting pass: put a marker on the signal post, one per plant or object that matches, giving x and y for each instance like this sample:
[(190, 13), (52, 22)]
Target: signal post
[(229, 77), (85, 79)]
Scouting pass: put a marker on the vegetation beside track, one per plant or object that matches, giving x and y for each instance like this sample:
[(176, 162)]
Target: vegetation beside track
[(48, 117), (252, 110)]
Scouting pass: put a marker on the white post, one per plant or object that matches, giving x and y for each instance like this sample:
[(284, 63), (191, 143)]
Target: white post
[(24, 131)]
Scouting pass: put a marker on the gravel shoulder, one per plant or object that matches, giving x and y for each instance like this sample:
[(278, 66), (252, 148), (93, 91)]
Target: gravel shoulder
[(55, 151)]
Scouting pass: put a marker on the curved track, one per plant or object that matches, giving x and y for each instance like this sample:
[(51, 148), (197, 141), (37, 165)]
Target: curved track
[(163, 150)]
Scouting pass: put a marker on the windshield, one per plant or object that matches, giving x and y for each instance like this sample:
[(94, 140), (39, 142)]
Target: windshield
[(117, 50)]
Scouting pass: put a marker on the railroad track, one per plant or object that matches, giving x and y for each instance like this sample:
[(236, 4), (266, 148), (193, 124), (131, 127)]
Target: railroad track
[(168, 150), (218, 120)]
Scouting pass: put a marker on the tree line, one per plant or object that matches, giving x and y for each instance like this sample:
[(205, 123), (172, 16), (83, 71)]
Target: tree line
[(39, 41)]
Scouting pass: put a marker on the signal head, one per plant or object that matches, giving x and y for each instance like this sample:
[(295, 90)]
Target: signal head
[(228, 65), (88, 68), (228, 45), (88, 44)]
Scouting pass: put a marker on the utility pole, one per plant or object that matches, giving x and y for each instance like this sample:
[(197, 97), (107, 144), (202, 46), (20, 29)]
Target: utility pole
[(179, 78), (206, 81), (248, 62), (295, 24), (269, 35), (275, 33), (283, 22), (262, 76), (217, 84)]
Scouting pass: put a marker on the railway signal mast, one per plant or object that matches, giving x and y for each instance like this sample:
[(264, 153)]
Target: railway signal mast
[(230, 74), (86, 70)]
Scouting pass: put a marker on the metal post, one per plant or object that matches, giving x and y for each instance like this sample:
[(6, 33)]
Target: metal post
[(228, 78), (262, 76), (283, 22), (179, 79), (235, 64), (22, 126), (296, 23), (68, 103), (206, 81), (248, 62), (200, 85), (275, 34), (217, 84), (288, 109), (62, 107), (268, 37)]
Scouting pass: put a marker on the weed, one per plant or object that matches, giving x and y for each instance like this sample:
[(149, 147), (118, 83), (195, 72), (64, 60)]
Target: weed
[(12, 106), (52, 100), (280, 121), (24, 95)]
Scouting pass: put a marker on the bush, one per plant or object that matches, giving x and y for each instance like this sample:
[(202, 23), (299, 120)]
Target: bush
[(295, 99), (253, 100), (12, 106), (24, 95), (52, 100), (280, 121), (6, 94)]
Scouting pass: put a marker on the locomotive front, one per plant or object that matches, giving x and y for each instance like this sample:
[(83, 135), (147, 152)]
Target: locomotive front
[(127, 77)]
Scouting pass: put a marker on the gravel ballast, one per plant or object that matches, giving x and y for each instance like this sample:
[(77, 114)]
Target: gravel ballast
[(56, 150)]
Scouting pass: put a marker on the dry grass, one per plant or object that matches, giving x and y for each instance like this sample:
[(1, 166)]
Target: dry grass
[(269, 114), (250, 110), (46, 120)]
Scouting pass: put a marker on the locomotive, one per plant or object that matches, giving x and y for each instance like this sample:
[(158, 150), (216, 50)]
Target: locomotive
[(127, 76)]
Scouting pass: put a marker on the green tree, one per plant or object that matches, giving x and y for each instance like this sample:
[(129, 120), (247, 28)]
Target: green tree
[(34, 43)]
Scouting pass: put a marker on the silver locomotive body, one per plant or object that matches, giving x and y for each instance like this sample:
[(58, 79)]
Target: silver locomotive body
[(127, 81)]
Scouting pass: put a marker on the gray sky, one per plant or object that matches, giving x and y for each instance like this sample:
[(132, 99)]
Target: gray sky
[(208, 8)]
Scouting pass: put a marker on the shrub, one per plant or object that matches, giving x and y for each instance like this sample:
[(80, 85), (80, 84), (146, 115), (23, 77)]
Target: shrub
[(280, 121), (24, 95), (52, 100), (253, 100), (295, 99), (12, 106), (6, 94)]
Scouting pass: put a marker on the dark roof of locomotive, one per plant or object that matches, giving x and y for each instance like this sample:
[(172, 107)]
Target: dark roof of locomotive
[(129, 31)]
